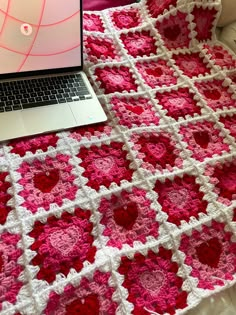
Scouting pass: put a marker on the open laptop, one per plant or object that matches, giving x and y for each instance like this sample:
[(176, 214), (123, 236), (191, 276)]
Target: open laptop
[(42, 86)]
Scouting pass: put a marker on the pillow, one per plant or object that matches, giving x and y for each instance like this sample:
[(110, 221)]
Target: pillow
[(93, 5), (228, 14)]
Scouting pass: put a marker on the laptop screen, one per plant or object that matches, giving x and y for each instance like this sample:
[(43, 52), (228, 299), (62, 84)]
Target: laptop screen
[(39, 35)]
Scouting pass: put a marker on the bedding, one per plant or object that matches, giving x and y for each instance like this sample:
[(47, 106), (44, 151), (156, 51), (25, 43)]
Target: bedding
[(135, 215), (94, 5)]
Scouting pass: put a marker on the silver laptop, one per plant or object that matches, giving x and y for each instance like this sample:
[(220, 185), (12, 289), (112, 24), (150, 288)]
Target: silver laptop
[(42, 86)]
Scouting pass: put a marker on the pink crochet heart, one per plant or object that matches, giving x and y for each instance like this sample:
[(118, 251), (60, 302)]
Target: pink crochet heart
[(65, 240), (179, 197), (152, 280), (158, 150), (179, 102), (104, 164), (190, 65)]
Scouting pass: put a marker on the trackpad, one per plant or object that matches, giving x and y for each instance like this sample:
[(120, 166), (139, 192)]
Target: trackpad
[(11, 125), (43, 119)]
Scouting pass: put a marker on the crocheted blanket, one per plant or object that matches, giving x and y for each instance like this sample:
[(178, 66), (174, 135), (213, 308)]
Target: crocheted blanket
[(136, 215)]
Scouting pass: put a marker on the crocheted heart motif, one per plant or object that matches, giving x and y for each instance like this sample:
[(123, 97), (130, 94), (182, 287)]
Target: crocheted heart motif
[(46, 181), (219, 55), (156, 149), (87, 306), (104, 164), (178, 197), (126, 216), (179, 102), (135, 109), (212, 94), (172, 32), (209, 252), (156, 72), (152, 280), (65, 240), (202, 138)]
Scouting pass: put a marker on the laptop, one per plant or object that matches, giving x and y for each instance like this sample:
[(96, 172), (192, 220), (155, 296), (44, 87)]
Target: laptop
[(42, 85)]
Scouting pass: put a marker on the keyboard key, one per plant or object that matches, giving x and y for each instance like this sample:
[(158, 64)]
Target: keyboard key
[(38, 104), (17, 107), (11, 97), (69, 99), (8, 109)]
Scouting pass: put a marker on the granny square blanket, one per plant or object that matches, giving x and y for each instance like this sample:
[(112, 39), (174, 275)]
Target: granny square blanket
[(136, 215)]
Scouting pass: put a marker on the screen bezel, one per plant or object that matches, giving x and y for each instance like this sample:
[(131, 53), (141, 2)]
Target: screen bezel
[(51, 71)]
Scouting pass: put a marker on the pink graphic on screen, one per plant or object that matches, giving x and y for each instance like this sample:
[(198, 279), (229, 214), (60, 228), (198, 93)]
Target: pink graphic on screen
[(39, 35)]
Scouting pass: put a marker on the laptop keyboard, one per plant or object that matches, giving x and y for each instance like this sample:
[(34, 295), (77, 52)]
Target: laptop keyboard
[(23, 94)]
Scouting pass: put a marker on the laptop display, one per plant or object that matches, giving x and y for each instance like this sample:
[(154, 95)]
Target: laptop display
[(39, 35)]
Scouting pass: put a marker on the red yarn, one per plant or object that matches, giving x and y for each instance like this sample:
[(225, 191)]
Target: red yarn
[(46, 181), (89, 306), (172, 32), (209, 252), (202, 138), (126, 217)]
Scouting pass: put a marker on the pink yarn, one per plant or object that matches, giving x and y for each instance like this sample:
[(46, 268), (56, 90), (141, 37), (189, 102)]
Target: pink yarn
[(56, 173), (134, 112), (9, 268), (156, 73), (137, 221), (78, 299), (210, 254), (203, 140)]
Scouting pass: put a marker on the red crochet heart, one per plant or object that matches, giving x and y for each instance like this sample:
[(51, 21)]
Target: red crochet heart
[(212, 94), (157, 72), (135, 109), (219, 55), (202, 138), (209, 252), (46, 181), (87, 306), (126, 216), (172, 32)]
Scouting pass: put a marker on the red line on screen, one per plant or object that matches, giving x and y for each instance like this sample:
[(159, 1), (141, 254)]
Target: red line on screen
[(6, 16), (35, 37), (41, 55), (42, 25)]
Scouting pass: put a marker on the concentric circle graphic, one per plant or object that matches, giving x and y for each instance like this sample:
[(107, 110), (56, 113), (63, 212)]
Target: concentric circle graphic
[(39, 34)]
